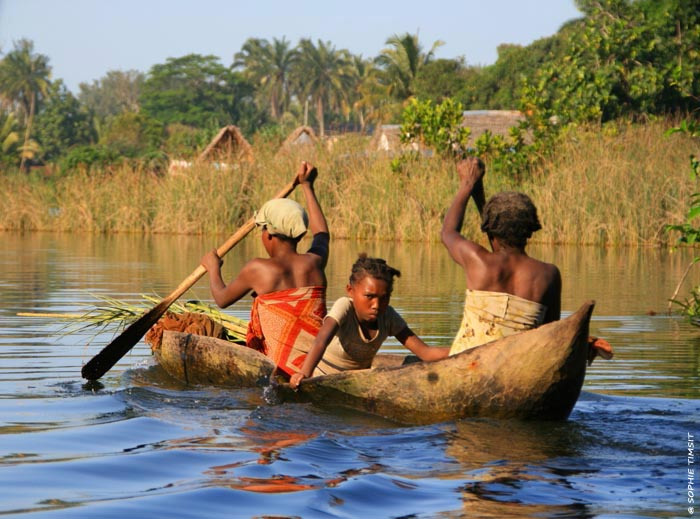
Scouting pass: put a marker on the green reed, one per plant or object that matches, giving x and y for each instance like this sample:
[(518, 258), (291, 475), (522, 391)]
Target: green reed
[(611, 186)]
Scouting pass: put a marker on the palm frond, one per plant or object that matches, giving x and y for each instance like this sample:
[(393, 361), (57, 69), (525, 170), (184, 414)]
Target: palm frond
[(115, 314)]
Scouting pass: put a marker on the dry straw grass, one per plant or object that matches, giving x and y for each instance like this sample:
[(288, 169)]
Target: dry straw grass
[(618, 186), (613, 186)]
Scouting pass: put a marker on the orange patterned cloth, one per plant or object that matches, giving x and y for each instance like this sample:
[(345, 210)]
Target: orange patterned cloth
[(284, 324)]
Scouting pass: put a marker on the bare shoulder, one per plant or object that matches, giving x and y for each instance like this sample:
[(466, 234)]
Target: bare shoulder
[(258, 267), (256, 264), (553, 271), (311, 259), (551, 296), (469, 253), (547, 271)]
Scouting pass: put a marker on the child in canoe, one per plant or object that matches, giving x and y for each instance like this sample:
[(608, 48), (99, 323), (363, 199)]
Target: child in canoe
[(358, 324), (289, 288)]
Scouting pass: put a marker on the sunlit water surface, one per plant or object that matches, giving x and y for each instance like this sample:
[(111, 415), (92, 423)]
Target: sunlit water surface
[(141, 445)]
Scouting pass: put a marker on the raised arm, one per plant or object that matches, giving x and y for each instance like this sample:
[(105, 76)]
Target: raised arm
[(471, 172), (321, 342), (306, 177)]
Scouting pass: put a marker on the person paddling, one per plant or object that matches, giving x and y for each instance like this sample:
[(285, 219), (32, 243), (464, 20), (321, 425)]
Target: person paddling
[(507, 290), (289, 288)]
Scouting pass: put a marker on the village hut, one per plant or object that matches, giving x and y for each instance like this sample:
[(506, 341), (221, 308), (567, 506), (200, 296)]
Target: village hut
[(498, 122), (228, 145), (386, 138), (302, 136)]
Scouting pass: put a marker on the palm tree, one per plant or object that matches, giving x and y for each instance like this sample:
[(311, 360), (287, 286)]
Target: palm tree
[(370, 95), (24, 80), (401, 62), (8, 135), (325, 75), (268, 65)]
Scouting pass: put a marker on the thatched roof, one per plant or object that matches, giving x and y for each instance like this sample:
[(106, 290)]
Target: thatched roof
[(302, 136), (228, 143), (498, 122)]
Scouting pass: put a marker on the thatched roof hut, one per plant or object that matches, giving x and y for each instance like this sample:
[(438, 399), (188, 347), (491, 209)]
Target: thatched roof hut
[(229, 144), (302, 136), (498, 122)]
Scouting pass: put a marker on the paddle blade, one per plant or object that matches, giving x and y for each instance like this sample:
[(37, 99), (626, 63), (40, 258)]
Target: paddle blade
[(115, 350)]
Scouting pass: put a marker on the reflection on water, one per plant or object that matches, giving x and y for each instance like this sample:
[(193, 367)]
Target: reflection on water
[(141, 443)]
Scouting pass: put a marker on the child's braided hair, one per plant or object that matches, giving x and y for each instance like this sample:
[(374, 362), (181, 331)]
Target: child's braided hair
[(375, 267)]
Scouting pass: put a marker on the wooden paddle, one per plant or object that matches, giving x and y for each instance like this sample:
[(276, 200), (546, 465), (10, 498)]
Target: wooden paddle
[(115, 350), (478, 192)]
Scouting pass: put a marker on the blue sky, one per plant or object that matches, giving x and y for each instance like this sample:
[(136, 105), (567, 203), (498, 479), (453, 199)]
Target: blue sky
[(86, 38)]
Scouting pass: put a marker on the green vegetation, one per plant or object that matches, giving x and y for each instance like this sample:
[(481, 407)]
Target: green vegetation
[(597, 96), (438, 127), (687, 232), (636, 59), (114, 315), (631, 59), (62, 123), (24, 80), (619, 186), (326, 76)]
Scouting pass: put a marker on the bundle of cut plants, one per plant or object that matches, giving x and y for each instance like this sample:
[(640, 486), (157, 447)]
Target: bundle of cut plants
[(191, 317)]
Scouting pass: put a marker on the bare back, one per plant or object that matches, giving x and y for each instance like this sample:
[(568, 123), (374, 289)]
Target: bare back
[(274, 274), (288, 269), (285, 268), (511, 271)]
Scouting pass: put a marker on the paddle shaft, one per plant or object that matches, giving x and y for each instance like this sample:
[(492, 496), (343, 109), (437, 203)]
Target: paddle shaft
[(479, 196), (115, 350)]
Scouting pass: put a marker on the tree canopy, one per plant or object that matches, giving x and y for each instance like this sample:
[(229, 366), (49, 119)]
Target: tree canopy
[(118, 91), (621, 58), (194, 89), (24, 82)]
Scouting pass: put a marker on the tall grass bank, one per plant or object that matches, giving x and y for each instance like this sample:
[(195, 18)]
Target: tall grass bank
[(615, 186)]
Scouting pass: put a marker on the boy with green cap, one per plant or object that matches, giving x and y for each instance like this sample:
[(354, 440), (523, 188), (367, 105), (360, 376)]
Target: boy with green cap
[(289, 288)]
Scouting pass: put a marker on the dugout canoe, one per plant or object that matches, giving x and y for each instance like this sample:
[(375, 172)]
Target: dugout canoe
[(537, 374)]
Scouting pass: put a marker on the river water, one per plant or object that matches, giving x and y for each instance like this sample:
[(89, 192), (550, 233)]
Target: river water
[(140, 444)]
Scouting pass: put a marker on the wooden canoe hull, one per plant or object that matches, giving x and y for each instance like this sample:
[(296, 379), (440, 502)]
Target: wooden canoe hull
[(534, 374), (199, 360)]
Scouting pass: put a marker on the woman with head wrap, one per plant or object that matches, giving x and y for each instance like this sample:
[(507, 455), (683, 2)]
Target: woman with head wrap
[(507, 290), (289, 287)]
